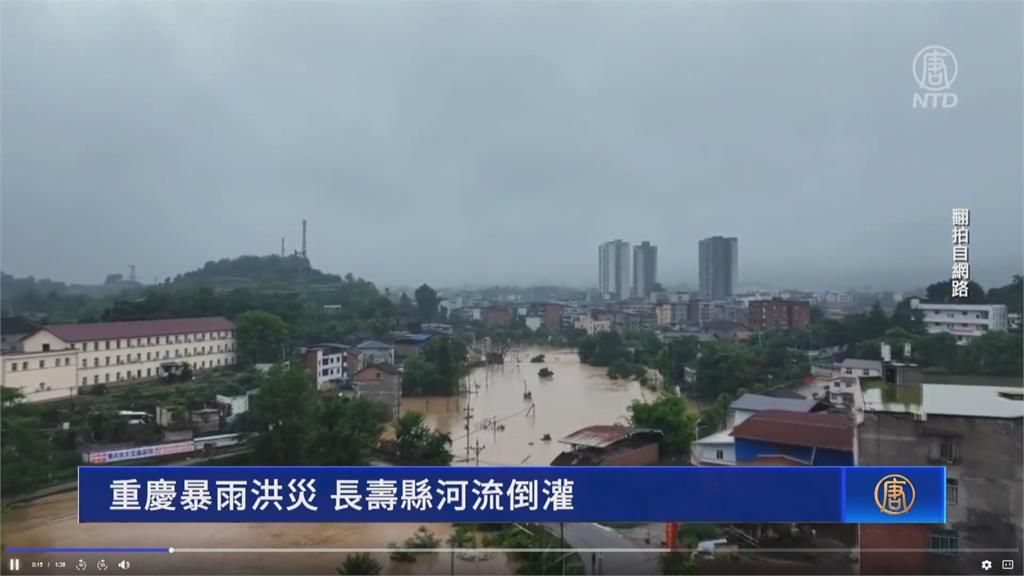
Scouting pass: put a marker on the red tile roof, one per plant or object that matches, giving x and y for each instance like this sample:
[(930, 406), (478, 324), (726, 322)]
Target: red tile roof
[(138, 328), (798, 429)]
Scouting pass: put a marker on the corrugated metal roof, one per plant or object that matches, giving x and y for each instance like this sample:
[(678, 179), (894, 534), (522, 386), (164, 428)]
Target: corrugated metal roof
[(138, 328), (798, 429), (599, 436), (759, 402), (412, 338), (858, 364), (374, 345)]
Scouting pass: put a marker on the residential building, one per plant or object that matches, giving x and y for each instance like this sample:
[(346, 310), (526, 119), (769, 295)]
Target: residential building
[(718, 449), (664, 315), (698, 312), (58, 359), (380, 383), (409, 345), (12, 330), (780, 438), (749, 404), (726, 330), (859, 368), (645, 269), (613, 269), (718, 267), (552, 315), (778, 314), (328, 363), (613, 445), (964, 321), (975, 432), (374, 352), (437, 328), (588, 324), (496, 316)]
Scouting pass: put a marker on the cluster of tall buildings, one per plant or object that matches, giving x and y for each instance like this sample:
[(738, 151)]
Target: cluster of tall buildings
[(617, 280)]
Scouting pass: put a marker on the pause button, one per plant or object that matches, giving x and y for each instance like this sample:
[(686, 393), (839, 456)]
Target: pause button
[(14, 564)]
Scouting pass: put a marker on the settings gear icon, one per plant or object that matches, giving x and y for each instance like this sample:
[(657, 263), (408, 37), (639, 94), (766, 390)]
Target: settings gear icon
[(986, 565)]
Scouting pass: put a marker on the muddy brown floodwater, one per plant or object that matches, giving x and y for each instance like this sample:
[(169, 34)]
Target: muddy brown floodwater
[(576, 396)]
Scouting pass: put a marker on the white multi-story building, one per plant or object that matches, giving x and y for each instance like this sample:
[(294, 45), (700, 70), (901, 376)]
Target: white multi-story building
[(965, 321), (57, 360), (328, 363)]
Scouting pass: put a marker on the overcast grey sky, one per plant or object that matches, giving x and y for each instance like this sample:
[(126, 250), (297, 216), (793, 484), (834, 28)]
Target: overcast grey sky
[(501, 142)]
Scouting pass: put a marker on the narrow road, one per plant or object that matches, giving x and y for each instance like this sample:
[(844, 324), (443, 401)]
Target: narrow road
[(584, 536)]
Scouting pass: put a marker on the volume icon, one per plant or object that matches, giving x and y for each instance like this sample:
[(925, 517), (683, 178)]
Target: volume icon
[(124, 564)]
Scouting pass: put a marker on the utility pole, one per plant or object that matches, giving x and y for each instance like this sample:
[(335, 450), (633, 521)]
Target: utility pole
[(478, 449), (468, 417)]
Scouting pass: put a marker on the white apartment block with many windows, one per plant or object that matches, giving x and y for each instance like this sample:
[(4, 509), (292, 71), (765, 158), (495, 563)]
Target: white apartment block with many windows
[(965, 321), (57, 360)]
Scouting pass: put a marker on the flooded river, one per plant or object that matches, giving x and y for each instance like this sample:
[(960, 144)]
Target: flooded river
[(508, 431)]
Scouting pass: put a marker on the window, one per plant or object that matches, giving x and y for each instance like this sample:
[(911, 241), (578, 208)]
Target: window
[(119, 343), (46, 347), (85, 363), (118, 376), (106, 377), (67, 361), (944, 542), (42, 363), (719, 454), (952, 491), (85, 380), (96, 379), (108, 344), (14, 366), (96, 361), (149, 371), (108, 360), (24, 365), (865, 372), (948, 451)]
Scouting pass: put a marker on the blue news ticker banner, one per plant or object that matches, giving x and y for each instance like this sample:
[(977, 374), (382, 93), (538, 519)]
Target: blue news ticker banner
[(511, 494)]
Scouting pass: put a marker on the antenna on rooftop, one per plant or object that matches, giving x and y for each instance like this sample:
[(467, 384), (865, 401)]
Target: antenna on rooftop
[(304, 239)]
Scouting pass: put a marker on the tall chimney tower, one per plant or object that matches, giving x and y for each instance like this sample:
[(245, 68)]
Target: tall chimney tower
[(282, 247), (304, 238)]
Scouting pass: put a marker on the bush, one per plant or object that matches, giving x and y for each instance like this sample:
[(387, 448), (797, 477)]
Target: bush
[(361, 563)]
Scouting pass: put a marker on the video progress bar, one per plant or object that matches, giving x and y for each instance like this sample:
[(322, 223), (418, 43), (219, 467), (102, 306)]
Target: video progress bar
[(172, 550), (26, 549)]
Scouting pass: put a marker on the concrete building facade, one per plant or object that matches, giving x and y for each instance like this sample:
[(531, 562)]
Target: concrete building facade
[(57, 360), (778, 314), (964, 321), (975, 432), (719, 269), (328, 363), (613, 271), (645, 269)]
